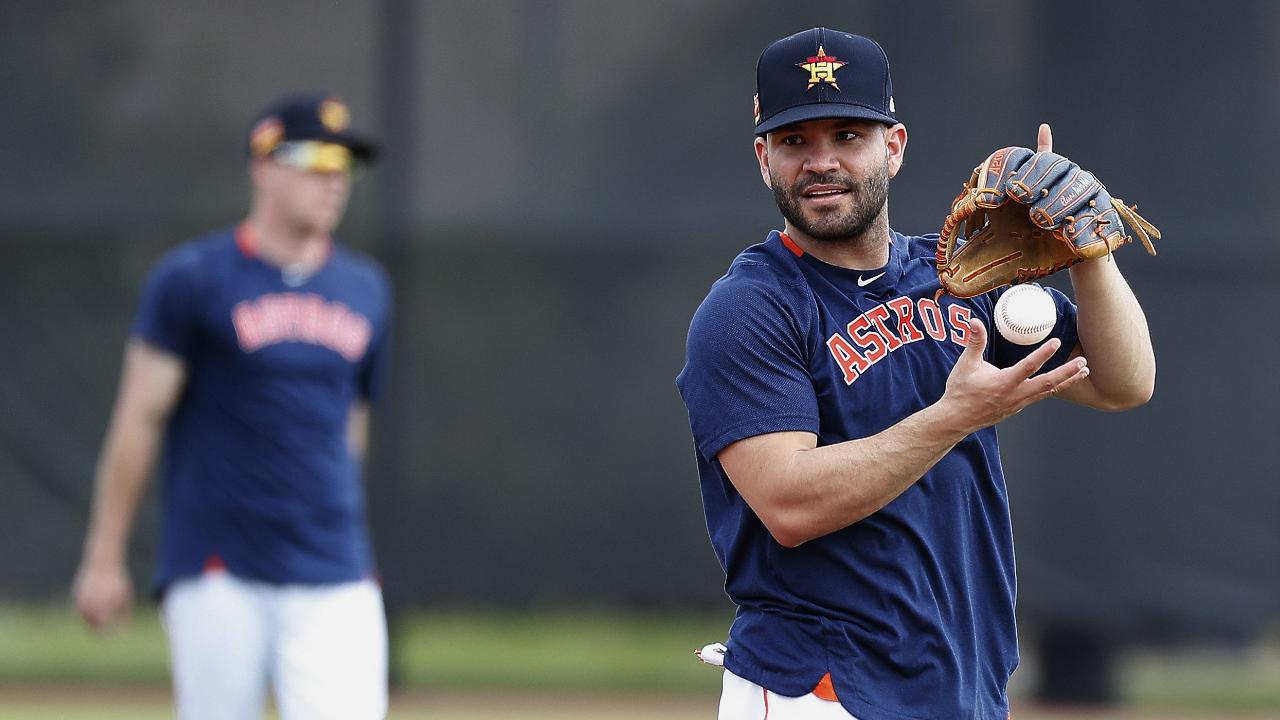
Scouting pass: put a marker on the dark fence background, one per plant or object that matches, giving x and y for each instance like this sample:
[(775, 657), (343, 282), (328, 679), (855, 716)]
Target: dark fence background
[(562, 182)]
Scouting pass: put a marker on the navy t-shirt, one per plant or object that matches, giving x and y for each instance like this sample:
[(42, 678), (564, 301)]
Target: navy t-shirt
[(911, 609), (257, 475)]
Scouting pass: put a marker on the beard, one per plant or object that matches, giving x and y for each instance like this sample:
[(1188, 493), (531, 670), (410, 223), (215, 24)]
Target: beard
[(869, 195)]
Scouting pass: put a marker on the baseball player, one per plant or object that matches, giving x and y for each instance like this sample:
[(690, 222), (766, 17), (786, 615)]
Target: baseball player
[(253, 358), (843, 411)]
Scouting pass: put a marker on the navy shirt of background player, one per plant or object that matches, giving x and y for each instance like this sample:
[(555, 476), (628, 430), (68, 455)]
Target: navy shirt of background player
[(911, 608), (257, 473)]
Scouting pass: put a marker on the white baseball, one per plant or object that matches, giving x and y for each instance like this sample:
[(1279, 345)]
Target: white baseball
[(1025, 314)]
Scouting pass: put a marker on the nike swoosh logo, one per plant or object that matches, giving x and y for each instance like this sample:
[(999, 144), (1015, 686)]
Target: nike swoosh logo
[(863, 282)]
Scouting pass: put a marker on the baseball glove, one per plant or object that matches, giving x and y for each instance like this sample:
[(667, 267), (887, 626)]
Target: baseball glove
[(1026, 215)]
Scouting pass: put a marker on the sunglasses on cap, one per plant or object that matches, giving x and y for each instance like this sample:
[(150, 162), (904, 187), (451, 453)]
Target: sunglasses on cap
[(313, 156)]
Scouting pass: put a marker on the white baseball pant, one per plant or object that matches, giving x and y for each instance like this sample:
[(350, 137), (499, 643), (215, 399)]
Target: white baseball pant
[(744, 700), (324, 648)]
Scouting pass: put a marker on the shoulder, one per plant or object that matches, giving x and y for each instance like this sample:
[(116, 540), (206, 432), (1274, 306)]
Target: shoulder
[(766, 269), (362, 269), (755, 282), (190, 259), (760, 293)]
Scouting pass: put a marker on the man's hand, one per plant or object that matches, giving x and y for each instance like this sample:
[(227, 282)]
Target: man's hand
[(102, 593), (979, 394)]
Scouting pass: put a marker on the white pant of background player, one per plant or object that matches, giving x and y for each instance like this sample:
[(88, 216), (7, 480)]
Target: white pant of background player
[(323, 647), (745, 700)]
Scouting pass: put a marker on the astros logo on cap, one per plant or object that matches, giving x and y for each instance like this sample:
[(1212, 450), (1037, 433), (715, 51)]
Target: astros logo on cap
[(334, 115), (822, 69)]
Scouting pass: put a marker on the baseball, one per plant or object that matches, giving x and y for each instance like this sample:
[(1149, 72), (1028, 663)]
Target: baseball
[(1025, 314)]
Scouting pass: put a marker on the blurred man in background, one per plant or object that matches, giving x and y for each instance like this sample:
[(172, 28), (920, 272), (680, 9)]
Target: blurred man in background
[(253, 358)]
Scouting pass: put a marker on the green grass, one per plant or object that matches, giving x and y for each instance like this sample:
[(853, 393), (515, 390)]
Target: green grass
[(559, 652), (56, 710), (145, 705), (551, 652), (1247, 680), (49, 644), (505, 658)]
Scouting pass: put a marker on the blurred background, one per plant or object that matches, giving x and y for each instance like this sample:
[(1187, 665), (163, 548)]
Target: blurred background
[(561, 183)]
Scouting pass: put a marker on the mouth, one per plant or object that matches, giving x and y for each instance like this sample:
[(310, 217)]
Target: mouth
[(824, 194)]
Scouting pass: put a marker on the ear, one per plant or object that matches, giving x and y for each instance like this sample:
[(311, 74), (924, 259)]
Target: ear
[(895, 141), (762, 156), (255, 170), (259, 173)]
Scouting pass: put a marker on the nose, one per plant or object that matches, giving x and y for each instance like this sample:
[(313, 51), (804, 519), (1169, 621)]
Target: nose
[(821, 159)]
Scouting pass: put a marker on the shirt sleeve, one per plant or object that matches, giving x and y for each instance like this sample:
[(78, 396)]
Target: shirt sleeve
[(746, 367), (1004, 353), (373, 369), (166, 315)]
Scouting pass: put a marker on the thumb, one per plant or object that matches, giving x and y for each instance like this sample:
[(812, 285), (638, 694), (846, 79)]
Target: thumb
[(976, 344), (1044, 138)]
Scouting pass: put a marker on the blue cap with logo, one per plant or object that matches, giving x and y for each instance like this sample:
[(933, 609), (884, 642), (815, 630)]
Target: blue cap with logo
[(317, 117), (822, 73)]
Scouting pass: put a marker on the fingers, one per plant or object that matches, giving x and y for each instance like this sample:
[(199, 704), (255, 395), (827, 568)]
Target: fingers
[(103, 616), (1040, 181), (100, 620), (1059, 379), (976, 344), (1044, 138), (93, 616), (99, 604), (95, 613), (1029, 365)]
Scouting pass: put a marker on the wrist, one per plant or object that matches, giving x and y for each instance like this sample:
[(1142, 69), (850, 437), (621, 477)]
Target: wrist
[(945, 421), (1088, 270), (100, 553)]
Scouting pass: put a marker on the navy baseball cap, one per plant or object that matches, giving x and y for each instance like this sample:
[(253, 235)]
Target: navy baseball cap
[(319, 117), (822, 73)]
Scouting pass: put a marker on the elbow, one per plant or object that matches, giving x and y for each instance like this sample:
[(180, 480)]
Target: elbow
[(787, 527), (788, 537), (1140, 392), (793, 528), (1132, 397), (1141, 397)]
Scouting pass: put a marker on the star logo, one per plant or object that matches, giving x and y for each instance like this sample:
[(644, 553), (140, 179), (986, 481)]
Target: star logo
[(334, 115), (822, 69)]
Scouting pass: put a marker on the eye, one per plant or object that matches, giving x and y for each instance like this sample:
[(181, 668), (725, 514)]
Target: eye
[(846, 136), (792, 140)]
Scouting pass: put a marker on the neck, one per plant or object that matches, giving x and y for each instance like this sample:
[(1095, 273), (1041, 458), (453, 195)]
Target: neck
[(283, 244), (867, 251)]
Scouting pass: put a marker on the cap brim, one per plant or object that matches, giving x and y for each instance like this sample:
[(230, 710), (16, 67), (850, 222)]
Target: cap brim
[(822, 111), (361, 148)]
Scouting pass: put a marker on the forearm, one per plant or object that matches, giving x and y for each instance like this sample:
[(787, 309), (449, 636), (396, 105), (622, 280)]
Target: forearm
[(121, 478), (824, 489), (150, 383), (800, 491), (1113, 337)]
